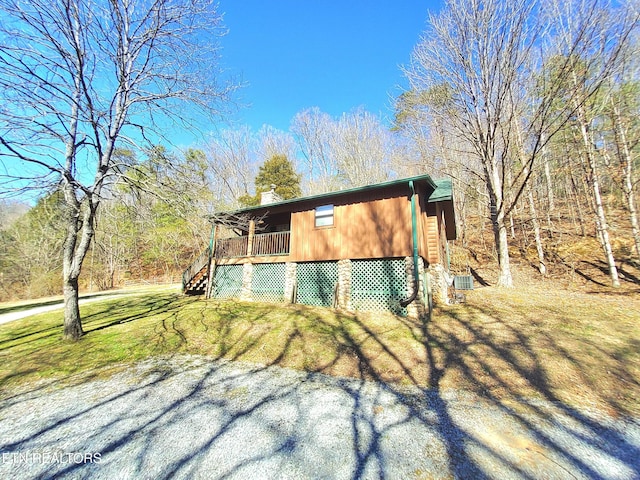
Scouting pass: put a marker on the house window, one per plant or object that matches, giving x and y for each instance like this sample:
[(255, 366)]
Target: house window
[(324, 216)]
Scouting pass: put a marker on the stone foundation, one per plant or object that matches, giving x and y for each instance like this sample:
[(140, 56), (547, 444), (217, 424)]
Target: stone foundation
[(290, 282), (344, 284), (417, 308), (247, 277), (439, 285)]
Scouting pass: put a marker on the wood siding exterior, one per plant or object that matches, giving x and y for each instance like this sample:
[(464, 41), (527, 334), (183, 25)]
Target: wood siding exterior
[(430, 247), (366, 224), (362, 228)]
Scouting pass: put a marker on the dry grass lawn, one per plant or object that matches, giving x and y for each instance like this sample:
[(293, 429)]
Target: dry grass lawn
[(540, 341)]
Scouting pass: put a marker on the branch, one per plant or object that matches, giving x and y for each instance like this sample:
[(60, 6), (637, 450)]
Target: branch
[(237, 221)]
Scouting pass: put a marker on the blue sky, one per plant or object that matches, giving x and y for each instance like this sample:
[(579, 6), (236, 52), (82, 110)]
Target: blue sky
[(338, 55), (335, 55)]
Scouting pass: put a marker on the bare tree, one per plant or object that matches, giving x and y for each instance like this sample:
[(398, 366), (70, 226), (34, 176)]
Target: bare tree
[(362, 148), (232, 158), (353, 150), (477, 53), (626, 143), (273, 142), (80, 77), (584, 119), (623, 106), (314, 131), (603, 34), (431, 146), (482, 56), (110, 249)]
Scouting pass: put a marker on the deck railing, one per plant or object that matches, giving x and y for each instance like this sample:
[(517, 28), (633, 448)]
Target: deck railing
[(231, 247), (274, 243)]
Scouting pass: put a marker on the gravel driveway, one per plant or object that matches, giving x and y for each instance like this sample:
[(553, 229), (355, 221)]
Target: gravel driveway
[(190, 417)]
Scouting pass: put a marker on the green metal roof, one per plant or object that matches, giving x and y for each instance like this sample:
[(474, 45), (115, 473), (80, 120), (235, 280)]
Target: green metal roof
[(441, 187), (443, 191)]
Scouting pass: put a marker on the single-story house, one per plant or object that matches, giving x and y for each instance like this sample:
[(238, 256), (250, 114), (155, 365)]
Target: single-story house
[(377, 247)]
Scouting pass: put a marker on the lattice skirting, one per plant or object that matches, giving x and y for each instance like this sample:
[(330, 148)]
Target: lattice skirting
[(227, 281), (316, 283), (267, 282), (367, 285), (378, 285)]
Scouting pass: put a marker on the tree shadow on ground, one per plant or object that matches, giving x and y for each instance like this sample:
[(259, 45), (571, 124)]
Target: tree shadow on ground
[(597, 273), (478, 277), (33, 346), (105, 315), (465, 394), (513, 376)]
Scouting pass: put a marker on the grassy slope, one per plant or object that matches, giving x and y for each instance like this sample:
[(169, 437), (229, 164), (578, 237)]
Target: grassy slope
[(540, 341)]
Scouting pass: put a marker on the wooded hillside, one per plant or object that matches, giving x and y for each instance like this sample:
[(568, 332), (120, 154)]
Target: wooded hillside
[(530, 108)]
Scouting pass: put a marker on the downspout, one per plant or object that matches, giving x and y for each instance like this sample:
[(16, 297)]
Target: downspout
[(414, 238), (211, 252), (213, 234)]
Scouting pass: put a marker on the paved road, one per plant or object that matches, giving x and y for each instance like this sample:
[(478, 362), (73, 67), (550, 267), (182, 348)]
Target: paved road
[(17, 315)]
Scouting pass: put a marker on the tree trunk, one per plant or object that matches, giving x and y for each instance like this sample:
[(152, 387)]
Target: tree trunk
[(548, 182), (594, 184), (633, 216), (498, 220), (72, 323), (502, 244), (536, 232), (576, 196), (500, 231), (77, 242), (626, 164), (603, 232), (551, 203)]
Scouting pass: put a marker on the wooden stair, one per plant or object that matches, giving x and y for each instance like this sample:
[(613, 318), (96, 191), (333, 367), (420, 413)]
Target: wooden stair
[(195, 278), (198, 284)]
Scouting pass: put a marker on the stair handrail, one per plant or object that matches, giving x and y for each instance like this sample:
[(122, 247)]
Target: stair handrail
[(198, 264)]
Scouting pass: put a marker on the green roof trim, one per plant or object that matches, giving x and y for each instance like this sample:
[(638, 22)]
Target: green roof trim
[(443, 191), (377, 186)]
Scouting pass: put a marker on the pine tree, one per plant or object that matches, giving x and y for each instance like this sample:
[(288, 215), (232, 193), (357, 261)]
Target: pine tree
[(278, 171)]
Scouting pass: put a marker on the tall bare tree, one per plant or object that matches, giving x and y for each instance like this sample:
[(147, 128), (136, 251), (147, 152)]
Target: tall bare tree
[(353, 150), (272, 142), (603, 34), (622, 109), (232, 157), (484, 57), (314, 131), (478, 54), (624, 119), (79, 78), (362, 149)]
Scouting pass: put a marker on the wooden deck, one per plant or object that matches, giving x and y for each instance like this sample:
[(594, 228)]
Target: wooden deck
[(261, 244), (273, 245)]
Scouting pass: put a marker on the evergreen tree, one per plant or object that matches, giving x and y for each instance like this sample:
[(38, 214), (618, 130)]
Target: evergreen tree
[(278, 171)]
